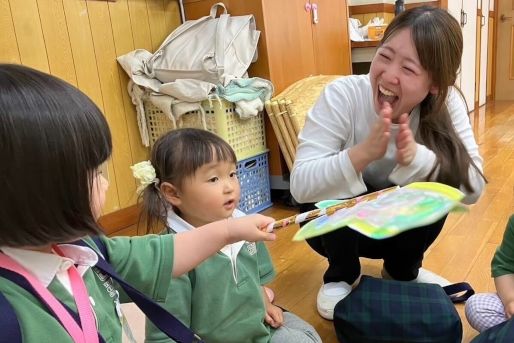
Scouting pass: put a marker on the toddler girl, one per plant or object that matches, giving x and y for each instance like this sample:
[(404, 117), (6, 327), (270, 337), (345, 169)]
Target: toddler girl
[(222, 299)]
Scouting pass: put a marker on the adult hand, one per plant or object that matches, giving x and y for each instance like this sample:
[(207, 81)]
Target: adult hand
[(374, 146), (406, 146)]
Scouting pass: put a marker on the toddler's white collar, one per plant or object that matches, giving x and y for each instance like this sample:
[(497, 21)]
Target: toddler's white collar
[(178, 225)]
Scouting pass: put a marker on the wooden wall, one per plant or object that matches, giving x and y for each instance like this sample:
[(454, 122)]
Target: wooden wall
[(79, 41), (490, 55)]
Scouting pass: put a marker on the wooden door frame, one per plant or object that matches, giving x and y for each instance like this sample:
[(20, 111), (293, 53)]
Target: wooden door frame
[(493, 50), (478, 54)]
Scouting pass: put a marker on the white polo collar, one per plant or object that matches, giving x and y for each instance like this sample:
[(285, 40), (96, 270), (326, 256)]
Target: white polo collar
[(178, 225)]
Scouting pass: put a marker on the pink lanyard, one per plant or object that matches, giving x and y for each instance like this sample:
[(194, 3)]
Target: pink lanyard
[(88, 333)]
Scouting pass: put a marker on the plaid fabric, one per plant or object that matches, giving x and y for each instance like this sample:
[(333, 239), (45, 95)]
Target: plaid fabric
[(397, 311), (484, 311), (502, 333)]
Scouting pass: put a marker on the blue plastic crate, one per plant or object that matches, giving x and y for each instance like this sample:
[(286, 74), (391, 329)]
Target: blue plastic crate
[(253, 174)]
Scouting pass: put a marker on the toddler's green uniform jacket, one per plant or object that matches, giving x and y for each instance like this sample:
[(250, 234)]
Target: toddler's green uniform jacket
[(503, 260), (221, 300)]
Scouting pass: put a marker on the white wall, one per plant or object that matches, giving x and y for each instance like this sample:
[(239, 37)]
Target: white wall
[(466, 80)]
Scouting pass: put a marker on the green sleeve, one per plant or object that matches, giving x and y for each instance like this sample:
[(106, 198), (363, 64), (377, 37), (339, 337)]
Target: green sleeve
[(266, 270), (503, 260), (146, 262), (178, 302)]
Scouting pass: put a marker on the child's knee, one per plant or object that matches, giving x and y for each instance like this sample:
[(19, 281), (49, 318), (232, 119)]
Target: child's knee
[(484, 311)]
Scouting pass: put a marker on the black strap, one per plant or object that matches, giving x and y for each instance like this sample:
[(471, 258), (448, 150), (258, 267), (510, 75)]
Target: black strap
[(161, 318), (100, 245), (11, 327), (459, 292)]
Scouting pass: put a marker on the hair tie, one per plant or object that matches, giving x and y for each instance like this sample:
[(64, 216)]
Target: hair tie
[(145, 173)]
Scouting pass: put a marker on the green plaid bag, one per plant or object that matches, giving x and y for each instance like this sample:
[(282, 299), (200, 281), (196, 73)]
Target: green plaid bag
[(379, 310)]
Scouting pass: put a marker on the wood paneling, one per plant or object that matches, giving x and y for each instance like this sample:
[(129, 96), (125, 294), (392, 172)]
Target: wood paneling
[(121, 24), (290, 47), (365, 44), (122, 221), (79, 41), (331, 40), (29, 34), (57, 40), (511, 62), (504, 80), (8, 42), (490, 50), (478, 55)]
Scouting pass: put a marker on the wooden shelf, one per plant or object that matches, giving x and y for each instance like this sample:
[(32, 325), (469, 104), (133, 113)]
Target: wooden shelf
[(365, 44)]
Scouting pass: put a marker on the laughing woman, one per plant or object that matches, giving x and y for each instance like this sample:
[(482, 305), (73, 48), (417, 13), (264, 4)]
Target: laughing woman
[(403, 122)]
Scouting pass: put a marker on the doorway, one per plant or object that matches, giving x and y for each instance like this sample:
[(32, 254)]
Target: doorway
[(504, 75), (483, 58)]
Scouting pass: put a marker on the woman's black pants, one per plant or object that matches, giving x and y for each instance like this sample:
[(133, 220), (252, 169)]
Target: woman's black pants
[(402, 254)]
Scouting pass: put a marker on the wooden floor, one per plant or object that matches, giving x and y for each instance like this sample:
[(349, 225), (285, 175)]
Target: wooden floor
[(463, 251)]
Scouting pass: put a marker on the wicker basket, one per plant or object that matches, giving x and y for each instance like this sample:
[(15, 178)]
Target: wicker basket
[(301, 96), (245, 136), (287, 111)]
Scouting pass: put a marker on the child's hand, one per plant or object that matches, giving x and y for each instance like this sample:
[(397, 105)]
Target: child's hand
[(509, 309), (250, 228), (406, 146), (194, 246), (274, 316)]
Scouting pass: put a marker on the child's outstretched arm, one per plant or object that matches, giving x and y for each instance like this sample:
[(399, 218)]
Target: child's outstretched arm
[(194, 246), (505, 288)]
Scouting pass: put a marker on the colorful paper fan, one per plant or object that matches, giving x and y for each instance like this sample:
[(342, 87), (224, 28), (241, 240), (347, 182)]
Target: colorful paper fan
[(415, 205)]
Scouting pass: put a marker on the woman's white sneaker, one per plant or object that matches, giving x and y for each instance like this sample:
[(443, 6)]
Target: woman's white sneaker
[(426, 276), (329, 295)]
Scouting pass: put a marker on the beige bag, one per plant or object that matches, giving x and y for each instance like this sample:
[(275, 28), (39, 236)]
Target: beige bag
[(210, 49)]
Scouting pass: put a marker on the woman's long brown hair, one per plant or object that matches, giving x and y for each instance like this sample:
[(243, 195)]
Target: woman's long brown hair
[(437, 37)]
